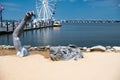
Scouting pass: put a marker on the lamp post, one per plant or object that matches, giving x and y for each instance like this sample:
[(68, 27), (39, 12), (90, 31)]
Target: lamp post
[(1, 9)]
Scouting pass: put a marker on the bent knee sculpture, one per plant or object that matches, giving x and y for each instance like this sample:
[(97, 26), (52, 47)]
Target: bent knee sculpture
[(65, 53), (21, 50)]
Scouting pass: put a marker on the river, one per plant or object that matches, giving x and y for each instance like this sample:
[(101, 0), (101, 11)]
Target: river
[(106, 34)]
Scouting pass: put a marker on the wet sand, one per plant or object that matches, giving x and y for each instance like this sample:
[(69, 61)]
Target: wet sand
[(38, 66)]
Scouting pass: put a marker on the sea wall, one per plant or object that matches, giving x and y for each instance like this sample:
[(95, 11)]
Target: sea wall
[(83, 49)]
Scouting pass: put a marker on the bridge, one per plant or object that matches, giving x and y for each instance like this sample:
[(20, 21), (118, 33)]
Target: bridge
[(90, 21)]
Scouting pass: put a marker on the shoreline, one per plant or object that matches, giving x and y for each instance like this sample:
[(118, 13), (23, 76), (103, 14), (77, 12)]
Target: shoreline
[(83, 49)]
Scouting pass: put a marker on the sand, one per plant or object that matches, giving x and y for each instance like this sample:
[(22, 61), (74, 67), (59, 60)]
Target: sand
[(94, 66)]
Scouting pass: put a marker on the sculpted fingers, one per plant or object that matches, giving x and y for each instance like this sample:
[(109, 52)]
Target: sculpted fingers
[(29, 15)]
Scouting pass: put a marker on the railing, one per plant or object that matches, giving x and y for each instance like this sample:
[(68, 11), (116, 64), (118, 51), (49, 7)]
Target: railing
[(9, 26)]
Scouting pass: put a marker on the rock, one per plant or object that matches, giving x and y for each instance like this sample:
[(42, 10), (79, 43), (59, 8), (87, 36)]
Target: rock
[(72, 46), (88, 50), (35, 48), (84, 48), (108, 50), (11, 47), (41, 48), (27, 46), (1, 47), (108, 47), (98, 48), (65, 53), (32, 48), (80, 48), (6, 47), (112, 49), (116, 48), (47, 47)]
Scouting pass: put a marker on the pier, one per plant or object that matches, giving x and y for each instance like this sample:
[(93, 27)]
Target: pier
[(44, 18), (10, 25)]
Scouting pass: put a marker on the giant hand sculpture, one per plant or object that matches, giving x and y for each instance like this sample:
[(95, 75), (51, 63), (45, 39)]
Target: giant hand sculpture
[(21, 50)]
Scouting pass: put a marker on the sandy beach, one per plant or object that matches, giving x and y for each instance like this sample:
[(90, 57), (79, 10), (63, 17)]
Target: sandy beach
[(38, 66)]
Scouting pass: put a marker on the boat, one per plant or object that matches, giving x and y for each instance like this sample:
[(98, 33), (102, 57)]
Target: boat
[(56, 24)]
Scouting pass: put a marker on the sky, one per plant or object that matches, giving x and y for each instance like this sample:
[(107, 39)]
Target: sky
[(66, 9)]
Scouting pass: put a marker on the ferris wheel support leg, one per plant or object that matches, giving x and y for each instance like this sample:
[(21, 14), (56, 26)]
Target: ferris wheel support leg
[(21, 50)]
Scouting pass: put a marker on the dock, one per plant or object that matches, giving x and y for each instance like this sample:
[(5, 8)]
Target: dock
[(9, 26)]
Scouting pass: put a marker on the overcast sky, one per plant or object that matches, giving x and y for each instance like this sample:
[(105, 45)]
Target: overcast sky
[(66, 9)]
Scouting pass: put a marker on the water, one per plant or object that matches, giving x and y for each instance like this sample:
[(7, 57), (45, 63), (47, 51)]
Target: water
[(79, 34)]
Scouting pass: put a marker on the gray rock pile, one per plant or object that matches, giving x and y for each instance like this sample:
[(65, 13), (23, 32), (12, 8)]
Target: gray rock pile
[(65, 53), (101, 49), (116, 48), (39, 48), (94, 48), (98, 48), (6, 47)]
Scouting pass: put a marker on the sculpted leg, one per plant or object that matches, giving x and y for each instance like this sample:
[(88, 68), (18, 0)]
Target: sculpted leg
[(21, 50), (65, 53)]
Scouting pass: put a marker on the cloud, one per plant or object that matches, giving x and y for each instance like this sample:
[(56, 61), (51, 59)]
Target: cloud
[(118, 5), (60, 0), (72, 0), (13, 9), (10, 4), (67, 0)]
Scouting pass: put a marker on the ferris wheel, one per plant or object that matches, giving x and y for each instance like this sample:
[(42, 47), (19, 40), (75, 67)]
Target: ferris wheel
[(46, 9)]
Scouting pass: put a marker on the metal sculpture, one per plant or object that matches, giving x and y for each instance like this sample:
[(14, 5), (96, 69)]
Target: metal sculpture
[(21, 50), (1, 9)]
